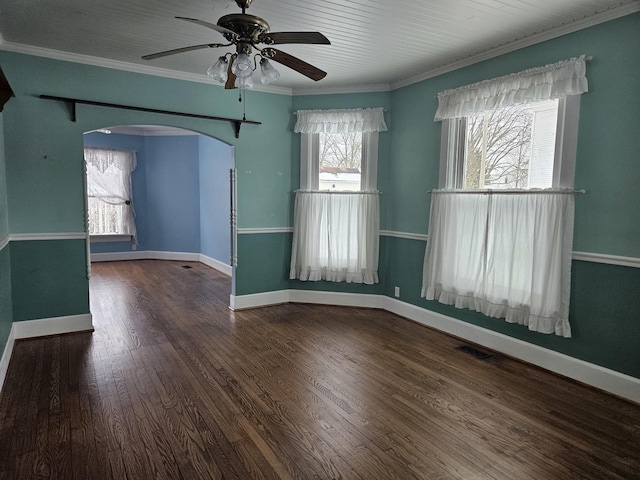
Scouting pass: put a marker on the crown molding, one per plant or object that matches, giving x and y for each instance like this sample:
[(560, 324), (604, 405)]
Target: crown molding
[(381, 87), (572, 27)]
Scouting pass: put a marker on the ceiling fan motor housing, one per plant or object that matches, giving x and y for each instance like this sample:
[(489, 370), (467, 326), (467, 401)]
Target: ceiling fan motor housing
[(248, 28)]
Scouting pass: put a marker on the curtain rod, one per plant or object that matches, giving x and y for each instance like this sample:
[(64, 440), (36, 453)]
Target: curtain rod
[(237, 123), (509, 192)]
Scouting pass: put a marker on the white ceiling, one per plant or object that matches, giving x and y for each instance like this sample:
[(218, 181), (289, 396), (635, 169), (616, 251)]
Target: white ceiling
[(375, 44)]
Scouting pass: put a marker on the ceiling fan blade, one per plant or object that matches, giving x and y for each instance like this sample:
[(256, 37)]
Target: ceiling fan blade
[(212, 26), (183, 49), (306, 69), (230, 84), (297, 37)]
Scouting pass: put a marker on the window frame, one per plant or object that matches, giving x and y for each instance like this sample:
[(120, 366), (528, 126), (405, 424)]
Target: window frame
[(310, 162), (452, 147)]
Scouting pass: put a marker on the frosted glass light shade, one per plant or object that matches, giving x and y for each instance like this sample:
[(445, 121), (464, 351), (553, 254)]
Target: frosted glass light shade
[(241, 67), (218, 71), (268, 72)]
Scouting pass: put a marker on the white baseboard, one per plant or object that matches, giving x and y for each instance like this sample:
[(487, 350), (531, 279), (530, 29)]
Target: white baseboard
[(52, 326), (6, 358), (41, 328), (157, 255), (216, 265), (617, 383), (337, 298), (258, 300)]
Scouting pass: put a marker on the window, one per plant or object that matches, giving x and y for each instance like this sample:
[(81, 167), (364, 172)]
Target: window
[(518, 147), (501, 226), (109, 205), (336, 217), (340, 161)]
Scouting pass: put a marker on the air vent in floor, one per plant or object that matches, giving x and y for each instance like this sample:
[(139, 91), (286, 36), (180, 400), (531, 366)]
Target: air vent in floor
[(474, 351)]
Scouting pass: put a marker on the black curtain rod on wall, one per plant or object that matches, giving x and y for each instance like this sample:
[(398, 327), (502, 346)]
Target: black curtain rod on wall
[(74, 101)]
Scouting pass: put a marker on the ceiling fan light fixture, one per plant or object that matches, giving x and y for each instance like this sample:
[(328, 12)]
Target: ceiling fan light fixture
[(242, 66), (268, 73), (247, 32), (218, 71)]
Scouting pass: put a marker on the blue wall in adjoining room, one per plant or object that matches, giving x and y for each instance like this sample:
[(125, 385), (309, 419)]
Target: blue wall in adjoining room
[(180, 193), (216, 160), (173, 194)]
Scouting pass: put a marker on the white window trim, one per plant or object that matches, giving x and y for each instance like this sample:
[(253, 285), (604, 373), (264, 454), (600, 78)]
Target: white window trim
[(452, 147), (310, 161)]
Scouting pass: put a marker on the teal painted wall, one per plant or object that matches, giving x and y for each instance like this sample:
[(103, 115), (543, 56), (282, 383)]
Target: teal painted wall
[(264, 263), (6, 308), (4, 208), (49, 279), (604, 298)]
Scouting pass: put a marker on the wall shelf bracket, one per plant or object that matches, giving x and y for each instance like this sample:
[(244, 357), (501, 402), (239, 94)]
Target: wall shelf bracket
[(73, 102), (5, 90)]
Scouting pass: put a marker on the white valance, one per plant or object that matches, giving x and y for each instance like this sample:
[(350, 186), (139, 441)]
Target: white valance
[(340, 121), (557, 80)]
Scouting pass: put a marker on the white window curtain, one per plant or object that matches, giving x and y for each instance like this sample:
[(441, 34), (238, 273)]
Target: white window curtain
[(336, 237), (340, 121), (504, 255), (557, 80), (109, 191)]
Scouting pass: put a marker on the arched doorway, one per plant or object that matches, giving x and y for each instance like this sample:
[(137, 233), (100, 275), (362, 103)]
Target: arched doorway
[(181, 195)]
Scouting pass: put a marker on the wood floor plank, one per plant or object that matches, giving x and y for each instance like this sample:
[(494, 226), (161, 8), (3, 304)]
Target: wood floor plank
[(174, 385)]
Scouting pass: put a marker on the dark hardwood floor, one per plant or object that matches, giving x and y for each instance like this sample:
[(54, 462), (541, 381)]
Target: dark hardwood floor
[(172, 384)]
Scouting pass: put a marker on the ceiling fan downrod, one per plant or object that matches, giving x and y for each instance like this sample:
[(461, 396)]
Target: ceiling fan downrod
[(243, 4)]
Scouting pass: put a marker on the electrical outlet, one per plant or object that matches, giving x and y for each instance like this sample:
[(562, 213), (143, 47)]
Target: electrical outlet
[(396, 291), (134, 246)]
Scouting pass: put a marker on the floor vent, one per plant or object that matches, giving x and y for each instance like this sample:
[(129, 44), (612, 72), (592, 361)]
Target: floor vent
[(474, 351), (187, 266)]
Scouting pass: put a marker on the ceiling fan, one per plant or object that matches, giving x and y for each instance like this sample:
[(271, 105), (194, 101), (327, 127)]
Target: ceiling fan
[(247, 32)]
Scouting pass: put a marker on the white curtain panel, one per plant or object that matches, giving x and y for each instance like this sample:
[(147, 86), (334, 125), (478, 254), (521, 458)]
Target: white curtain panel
[(109, 187), (336, 237), (506, 255), (557, 80), (341, 121)]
